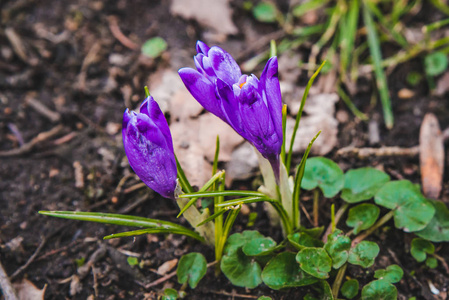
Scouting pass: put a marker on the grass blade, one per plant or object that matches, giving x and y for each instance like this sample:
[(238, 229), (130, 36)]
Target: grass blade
[(351, 105), (298, 116), (183, 181), (186, 232), (245, 200), (381, 80), (223, 193), (214, 216)]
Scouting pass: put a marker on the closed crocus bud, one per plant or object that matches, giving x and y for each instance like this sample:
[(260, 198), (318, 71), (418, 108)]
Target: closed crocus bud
[(252, 107), (149, 147)]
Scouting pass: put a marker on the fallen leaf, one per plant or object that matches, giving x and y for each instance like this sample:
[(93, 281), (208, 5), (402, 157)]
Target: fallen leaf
[(431, 156), (26, 290), (213, 14), (167, 266), (442, 85)]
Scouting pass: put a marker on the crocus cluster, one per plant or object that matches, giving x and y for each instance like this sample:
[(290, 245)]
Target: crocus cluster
[(149, 147), (252, 107)]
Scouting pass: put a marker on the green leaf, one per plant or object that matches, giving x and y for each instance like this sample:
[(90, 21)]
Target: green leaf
[(259, 246), (324, 290), (379, 289), (432, 262), (282, 271), (338, 246), (363, 254), (241, 270), (265, 12), (307, 6), (191, 268), (301, 240), (132, 261), (350, 288), (362, 216), (362, 184), (392, 274), (438, 228), (154, 47), (435, 63), (238, 240), (315, 261), (323, 173), (170, 294), (420, 248), (264, 298), (412, 211)]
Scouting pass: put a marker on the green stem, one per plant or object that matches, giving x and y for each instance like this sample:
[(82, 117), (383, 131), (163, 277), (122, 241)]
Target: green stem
[(284, 216), (338, 216), (368, 232), (338, 280), (219, 221)]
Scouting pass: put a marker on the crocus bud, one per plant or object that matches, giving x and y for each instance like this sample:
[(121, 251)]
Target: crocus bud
[(252, 107), (149, 147)]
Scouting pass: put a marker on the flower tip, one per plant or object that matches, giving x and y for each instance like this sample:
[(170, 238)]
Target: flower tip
[(202, 47)]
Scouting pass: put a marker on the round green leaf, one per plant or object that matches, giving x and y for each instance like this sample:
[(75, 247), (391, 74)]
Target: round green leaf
[(323, 173), (238, 240), (435, 63), (392, 274), (438, 228), (191, 267), (259, 246), (324, 290), (264, 298), (170, 294), (241, 270), (337, 246), (379, 290), (301, 240), (362, 184), (315, 261), (350, 288), (363, 254), (432, 262), (420, 248), (282, 271), (362, 216), (412, 211), (265, 12), (154, 47)]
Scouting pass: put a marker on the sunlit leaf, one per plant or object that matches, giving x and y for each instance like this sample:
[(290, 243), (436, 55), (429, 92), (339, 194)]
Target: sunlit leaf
[(323, 173), (363, 254), (362, 184), (265, 12), (435, 63), (391, 274), (154, 47), (362, 216)]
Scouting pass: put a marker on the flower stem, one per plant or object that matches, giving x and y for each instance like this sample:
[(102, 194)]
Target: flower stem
[(368, 232), (338, 280)]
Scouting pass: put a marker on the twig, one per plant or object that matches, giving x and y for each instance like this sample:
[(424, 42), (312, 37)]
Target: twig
[(118, 34), (31, 259), (6, 286), (136, 203), (443, 262), (373, 228), (27, 147), (134, 188), (233, 294), (260, 43), (43, 110), (383, 151), (170, 275), (338, 280), (304, 210), (316, 203)]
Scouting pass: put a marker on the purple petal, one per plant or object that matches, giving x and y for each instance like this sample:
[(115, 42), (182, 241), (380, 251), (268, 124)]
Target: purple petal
[(224, 65), (202, 47), (230, 107), (202, 90), (272, 93)]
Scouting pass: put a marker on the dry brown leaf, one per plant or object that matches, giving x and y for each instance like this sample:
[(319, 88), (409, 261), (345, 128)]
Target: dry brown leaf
[(215, 14), (167, 266), (431, 156), (442, 85), (26, 290)]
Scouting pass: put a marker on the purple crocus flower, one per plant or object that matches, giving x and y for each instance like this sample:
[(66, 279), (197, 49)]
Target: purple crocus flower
[(252, 107), (149, 147)]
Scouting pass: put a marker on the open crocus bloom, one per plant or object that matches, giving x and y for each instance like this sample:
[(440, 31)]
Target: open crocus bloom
[(149, 147), (252, 107)]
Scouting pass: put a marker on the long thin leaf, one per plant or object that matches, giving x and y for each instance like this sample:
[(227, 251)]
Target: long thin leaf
[(186, 232), (348, 31), (214, 216), (245, 200), (298, 116), (183, 181), (223, 193), (297, 187), (204, 188), (114, 219), (351, 105), (381, 80), (284, 128)]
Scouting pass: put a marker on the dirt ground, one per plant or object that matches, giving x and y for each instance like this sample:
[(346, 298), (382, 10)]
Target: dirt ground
[(66, 77)]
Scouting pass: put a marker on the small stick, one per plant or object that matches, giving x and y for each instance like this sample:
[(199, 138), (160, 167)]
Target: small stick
[(118, 34), (134, 188), (373, 228), (383, 151), (43, 110), (316, 202), (27, 147), (6, 286), (31, 259)]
